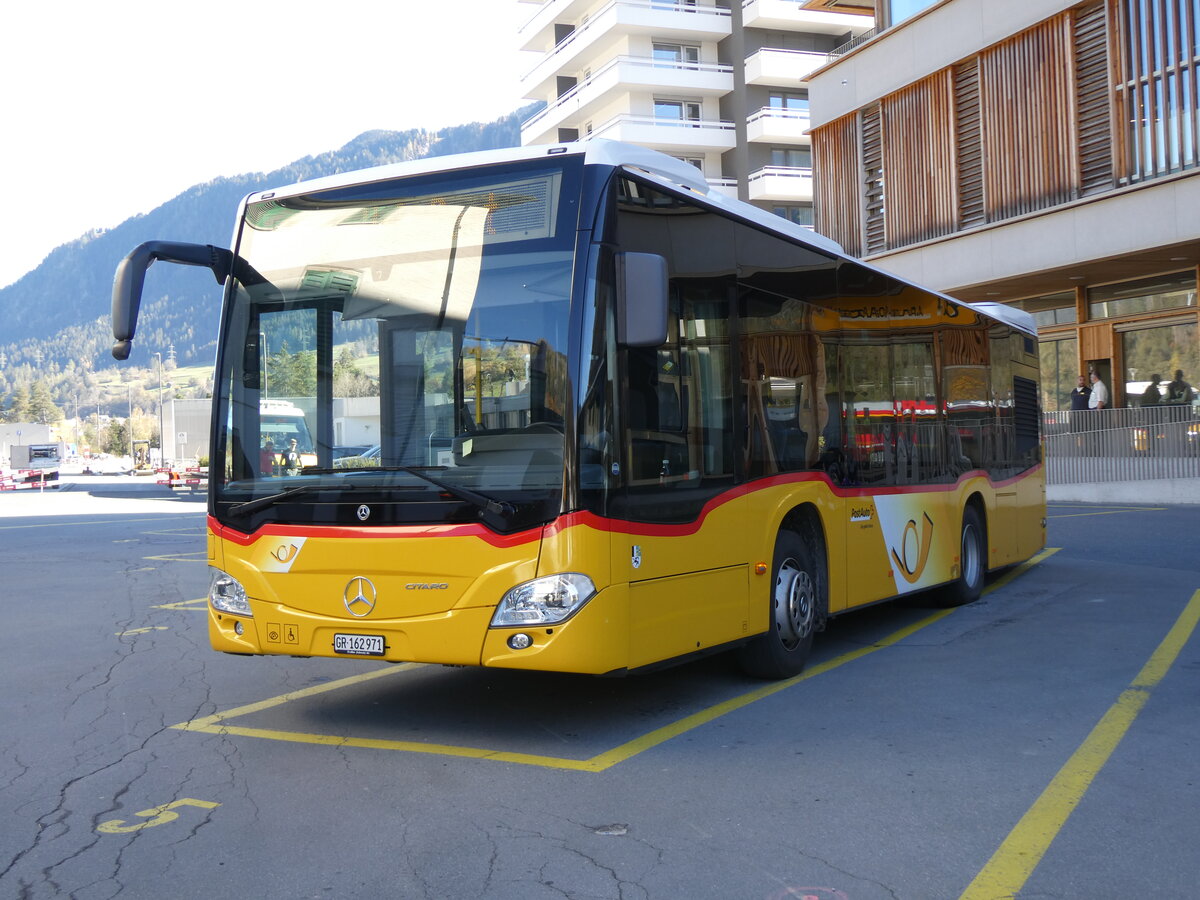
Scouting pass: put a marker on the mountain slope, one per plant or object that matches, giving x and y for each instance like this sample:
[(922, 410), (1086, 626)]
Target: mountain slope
[(58, 313)]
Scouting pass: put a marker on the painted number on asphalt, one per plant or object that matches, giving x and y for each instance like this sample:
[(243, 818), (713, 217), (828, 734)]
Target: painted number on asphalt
[(159, 815)]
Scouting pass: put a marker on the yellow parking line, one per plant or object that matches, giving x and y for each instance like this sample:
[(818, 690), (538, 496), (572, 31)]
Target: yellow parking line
[(1011, 865), (1092, 511), (216, 724), (181, 557)]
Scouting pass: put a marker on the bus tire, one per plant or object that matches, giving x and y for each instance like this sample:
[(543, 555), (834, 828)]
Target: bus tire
[(794, 610), (972, 563)]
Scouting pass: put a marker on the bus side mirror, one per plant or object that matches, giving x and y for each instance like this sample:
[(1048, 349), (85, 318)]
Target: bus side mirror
[(131, 275), (641, 299)]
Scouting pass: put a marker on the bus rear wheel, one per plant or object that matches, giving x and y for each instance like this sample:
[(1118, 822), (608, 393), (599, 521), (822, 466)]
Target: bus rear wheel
[(972, 563), (794, 606)]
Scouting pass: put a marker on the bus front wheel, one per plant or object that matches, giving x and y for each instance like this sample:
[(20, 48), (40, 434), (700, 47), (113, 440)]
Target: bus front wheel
[(794, 607)]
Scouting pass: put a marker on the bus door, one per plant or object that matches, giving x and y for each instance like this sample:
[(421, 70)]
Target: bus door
[(685, 564), (870, 446)]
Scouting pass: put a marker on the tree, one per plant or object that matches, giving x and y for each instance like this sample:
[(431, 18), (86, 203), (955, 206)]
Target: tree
[(18, 410), (116, 438), (292, 374), (41, 405), (348, 381)]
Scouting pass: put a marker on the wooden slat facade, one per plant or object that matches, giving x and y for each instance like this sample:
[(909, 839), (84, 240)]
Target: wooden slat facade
[(918, 160), (1101, 95), (1026, 95), (835, 161)]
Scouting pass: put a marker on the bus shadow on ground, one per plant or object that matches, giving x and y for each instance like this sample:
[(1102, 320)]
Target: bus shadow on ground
[(574, 717)]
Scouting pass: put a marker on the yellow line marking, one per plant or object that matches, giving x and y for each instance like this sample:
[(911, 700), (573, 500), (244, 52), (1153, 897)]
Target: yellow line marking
[(181, 557), (1103, 511), (141, 630), (1011, 865), (158, 815), (198, 604), (215, 724)]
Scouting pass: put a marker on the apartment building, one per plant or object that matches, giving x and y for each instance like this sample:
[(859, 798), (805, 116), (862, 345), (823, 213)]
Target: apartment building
[(721, 84), (1042, 153)]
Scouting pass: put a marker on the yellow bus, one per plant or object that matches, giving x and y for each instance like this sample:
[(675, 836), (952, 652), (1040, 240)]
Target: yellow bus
[(617, 421)]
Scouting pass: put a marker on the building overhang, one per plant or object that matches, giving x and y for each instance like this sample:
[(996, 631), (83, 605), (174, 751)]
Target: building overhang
[(1145, 229)]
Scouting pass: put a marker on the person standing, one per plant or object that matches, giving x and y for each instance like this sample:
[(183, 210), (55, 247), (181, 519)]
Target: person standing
[(291, 459), (1080, 395), (1099, 395), (1179, 391)]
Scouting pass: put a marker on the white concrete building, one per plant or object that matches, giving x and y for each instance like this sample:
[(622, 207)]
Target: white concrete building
[(722, 84)]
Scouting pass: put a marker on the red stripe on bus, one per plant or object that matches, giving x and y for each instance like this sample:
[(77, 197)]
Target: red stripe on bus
[(593, 521)]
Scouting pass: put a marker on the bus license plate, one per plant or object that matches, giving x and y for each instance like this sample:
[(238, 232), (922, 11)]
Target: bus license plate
[(358, 644)]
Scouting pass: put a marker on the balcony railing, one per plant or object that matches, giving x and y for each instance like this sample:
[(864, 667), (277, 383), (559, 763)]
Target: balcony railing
[(775, 124), (596, 24), (654, 132), (859, 40), (769, 65), (638, 63)]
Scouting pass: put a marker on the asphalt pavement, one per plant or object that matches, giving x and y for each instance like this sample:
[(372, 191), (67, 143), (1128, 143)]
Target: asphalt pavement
[(1041, 742)]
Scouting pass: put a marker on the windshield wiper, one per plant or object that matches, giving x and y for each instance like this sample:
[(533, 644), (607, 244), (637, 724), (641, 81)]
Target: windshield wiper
[(495, 513), (243, 509)]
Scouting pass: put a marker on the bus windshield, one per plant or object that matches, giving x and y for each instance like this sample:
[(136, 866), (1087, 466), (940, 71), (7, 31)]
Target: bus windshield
[(425, 319)]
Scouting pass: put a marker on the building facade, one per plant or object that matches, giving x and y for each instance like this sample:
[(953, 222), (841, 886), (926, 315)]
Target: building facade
[(1042, 153), (721, 84)]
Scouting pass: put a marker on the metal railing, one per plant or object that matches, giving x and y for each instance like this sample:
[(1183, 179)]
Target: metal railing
[(628, 119), (643, 62), (857, 41), (1108, 445)]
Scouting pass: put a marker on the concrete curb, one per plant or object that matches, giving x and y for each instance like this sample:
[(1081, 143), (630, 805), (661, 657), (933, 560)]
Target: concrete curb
[(1155, 492)]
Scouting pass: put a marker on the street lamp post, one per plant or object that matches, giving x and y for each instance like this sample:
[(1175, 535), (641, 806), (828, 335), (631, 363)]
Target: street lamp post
[(162, 437)]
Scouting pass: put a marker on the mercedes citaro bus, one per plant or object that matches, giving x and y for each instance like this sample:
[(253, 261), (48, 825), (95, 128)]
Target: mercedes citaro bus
[(622, 420)]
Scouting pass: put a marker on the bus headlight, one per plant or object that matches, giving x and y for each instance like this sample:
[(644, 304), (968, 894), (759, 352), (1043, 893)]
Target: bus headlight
[(227, 594), (544, 601)]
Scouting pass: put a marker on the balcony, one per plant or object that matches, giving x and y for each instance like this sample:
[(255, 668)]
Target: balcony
[(788, 15), (661, 18), (624, 75), (673, 136), (726, 186), (772, 125), (781, 183), (786, 68)]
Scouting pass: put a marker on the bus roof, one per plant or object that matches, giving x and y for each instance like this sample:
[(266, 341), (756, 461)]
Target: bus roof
[(660, 167)]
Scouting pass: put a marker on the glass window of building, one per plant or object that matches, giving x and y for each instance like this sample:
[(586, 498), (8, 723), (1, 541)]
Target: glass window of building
[(800, 214), (685, 55), (1130, 298), (792, 101), (678, 110), (792, 157), (1060, 372), (898, 10), (1051, 309), (1160, 351)]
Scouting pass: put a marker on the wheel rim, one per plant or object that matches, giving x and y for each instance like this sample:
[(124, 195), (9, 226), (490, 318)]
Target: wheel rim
[(972, 556), (794, 596)]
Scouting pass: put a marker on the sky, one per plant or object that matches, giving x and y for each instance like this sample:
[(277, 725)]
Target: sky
[(113, 107)]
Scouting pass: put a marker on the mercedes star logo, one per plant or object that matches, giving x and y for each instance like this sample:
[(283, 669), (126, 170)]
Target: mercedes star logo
[(364, 513), (359, 596)]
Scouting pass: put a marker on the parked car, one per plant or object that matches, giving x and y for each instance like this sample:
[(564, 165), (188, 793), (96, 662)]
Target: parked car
[(369, 457)]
